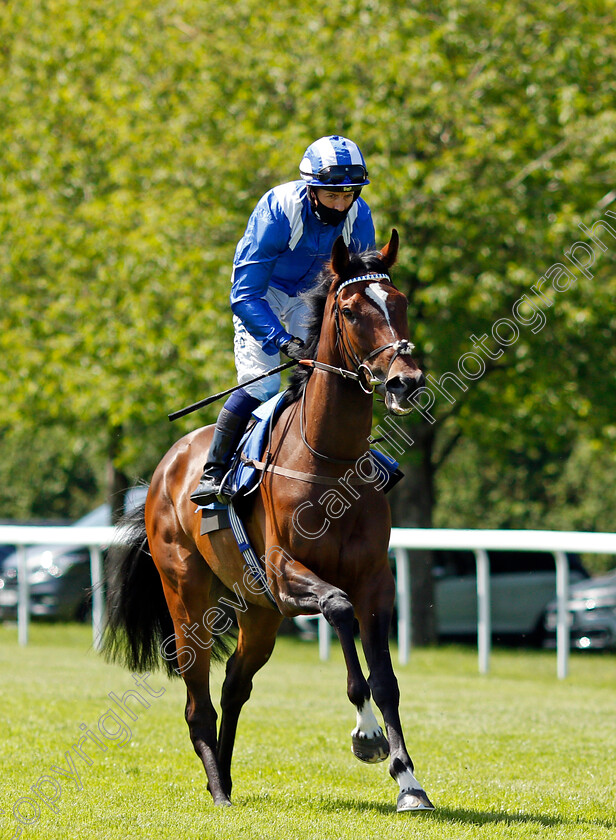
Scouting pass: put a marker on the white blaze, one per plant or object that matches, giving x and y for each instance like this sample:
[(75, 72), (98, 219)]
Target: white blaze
[(378, 294)]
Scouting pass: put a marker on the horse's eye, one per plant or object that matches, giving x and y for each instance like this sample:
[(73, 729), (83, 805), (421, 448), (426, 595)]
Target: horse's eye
[(348, 314)]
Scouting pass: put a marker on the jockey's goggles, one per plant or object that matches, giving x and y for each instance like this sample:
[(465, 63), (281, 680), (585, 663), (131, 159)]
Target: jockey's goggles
[(337, 175)]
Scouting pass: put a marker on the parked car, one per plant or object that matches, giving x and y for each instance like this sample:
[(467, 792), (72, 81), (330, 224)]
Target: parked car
[(521, 585), (592, 614), (5, 551), (58, 575)]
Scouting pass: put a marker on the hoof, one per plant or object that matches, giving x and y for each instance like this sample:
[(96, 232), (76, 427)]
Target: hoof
[(223, 803), (413, 800), (370, 750)]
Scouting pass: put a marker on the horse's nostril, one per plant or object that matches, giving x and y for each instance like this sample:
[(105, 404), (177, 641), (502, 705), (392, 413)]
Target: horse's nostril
[(394, 385), (403, 387)]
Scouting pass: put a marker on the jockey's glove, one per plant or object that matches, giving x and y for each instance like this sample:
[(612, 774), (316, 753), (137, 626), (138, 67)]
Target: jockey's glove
[(294, 349)]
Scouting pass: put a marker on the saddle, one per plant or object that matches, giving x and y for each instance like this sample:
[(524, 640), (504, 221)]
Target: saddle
[(252, 460)]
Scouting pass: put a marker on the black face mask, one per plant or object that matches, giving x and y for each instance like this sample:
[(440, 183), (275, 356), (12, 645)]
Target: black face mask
[(328, 215)]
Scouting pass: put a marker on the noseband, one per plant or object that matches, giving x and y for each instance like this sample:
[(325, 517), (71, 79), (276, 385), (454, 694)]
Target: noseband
[(362, 373), (402, 347)]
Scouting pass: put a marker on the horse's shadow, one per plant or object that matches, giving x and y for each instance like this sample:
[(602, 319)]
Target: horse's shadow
[(471, 816), (443, 814)]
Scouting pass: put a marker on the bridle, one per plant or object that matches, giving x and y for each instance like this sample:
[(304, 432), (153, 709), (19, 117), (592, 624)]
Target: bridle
[(361, 373)]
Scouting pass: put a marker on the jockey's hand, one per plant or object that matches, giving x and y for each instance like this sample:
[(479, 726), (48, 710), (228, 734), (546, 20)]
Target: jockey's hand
[(294, 349)]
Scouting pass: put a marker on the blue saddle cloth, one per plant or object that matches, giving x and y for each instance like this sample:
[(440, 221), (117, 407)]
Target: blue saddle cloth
[(244, 476)]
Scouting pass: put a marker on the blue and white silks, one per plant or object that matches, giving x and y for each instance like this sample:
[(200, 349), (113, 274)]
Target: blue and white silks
[(285, 246)]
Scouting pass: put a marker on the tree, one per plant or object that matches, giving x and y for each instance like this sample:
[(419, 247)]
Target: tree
[(507, 142), (136, 141)]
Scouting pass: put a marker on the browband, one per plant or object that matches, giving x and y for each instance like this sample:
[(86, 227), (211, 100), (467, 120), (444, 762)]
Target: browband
[(359, 279)]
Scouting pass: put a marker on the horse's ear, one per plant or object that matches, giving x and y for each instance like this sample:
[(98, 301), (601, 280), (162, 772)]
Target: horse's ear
[(340, 256), (390, 251)]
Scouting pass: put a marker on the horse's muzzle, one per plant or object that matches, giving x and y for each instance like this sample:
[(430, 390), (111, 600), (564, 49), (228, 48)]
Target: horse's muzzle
[(399, 389)]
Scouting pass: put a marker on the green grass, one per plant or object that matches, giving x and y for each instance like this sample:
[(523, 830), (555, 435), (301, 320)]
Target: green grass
[(515, 754)]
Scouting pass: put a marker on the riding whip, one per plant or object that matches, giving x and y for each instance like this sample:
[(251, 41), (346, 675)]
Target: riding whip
[(202, 403)]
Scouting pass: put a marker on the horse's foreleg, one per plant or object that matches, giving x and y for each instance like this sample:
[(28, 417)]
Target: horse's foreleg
[(368, 741), (255, 643), (301, 590), (374, 629)]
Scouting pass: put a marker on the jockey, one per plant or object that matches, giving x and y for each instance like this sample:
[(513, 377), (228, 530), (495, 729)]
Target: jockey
[(288, 240)]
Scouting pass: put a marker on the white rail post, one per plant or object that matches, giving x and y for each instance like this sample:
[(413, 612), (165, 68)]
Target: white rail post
[(98, 603), (562, 616), (484, 626), (324, 638), (23, 595), (403, 593)]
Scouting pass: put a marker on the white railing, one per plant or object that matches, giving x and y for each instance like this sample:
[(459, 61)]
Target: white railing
[(402, 539), (556, 542), (480, 542), (24, 537)]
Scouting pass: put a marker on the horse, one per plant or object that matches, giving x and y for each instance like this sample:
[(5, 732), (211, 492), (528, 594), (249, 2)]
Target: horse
[(323, 551)]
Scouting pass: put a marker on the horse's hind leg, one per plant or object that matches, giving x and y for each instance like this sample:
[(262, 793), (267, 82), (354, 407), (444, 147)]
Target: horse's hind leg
[(187, 581), (257, 635), (201, 719)]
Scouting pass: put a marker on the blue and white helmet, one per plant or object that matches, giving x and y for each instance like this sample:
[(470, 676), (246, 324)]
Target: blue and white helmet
[(334, 162)]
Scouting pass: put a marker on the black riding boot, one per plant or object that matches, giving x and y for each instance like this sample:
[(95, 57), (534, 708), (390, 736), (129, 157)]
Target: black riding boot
[(227, 434)]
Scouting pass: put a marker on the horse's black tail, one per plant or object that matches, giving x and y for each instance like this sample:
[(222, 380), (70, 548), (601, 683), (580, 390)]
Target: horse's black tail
[(138, 623), (139, 632)]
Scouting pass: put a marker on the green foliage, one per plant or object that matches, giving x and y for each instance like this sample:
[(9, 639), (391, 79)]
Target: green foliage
[(137, 138), (49, 475), (570, 489)]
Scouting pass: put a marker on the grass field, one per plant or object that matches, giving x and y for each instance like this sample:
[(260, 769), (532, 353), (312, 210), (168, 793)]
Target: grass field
[(515, 754)]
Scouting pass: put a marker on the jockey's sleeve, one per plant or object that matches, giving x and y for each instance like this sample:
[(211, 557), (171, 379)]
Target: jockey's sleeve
[(362, 233), (266, 238), (262, 324)]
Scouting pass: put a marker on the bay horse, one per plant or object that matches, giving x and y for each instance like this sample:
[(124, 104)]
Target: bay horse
[(327, 551)]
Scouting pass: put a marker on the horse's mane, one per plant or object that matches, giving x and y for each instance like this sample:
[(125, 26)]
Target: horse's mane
[(315, 299)]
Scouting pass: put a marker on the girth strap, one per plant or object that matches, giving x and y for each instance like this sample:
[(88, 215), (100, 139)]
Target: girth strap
[(301, 476)]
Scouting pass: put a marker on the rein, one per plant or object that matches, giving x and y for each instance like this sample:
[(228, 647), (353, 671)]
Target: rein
[(401, 347), (362, 374)]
